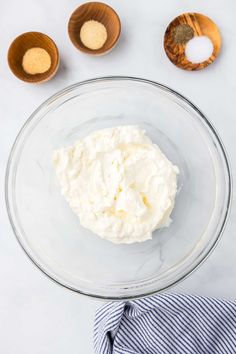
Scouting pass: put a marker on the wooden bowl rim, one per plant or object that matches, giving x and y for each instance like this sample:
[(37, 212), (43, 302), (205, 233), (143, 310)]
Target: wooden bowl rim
[(46, 76), (96, 51), (197, 14)]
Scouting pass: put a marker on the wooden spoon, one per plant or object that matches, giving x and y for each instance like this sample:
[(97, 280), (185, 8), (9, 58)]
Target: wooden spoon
[(201, 26)]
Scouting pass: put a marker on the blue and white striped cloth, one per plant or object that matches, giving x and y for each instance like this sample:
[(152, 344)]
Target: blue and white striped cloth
[(166, 324)]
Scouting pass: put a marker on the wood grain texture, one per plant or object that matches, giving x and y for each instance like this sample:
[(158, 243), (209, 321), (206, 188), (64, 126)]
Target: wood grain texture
[(30, 40), (202, 26), (99, 12)]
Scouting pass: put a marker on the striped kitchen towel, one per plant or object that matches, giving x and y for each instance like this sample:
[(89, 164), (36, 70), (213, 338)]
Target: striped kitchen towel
[(166, 324)]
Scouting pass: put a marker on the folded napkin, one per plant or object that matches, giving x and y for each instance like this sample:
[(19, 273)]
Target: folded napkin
[(166, 324)]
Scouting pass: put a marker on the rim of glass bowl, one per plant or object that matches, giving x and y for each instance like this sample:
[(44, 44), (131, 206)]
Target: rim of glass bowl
[(208, 248)]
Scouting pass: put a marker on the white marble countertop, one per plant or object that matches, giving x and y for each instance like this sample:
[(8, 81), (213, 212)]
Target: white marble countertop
[(36, 315)]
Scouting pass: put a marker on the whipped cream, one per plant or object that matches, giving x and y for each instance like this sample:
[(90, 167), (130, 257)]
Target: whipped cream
[(120, 184)]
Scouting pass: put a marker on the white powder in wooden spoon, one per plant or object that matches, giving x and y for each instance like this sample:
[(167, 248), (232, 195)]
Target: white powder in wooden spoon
[(199, 49)]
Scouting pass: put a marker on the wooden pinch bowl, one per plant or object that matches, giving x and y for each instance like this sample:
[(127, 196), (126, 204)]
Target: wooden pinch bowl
[(201, 26), (96, 11), (24, 42)]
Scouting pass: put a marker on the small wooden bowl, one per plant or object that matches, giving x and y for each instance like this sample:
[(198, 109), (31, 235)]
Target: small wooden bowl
[(24, 42), (96, 11), (202, 26)]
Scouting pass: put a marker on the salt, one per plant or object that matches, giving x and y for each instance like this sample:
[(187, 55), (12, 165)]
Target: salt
[(198, 49)]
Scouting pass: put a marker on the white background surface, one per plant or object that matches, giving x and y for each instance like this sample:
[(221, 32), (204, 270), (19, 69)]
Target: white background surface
[(36, 315)]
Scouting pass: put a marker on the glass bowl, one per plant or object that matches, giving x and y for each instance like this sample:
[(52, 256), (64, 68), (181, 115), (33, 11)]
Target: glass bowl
[(50, 233)]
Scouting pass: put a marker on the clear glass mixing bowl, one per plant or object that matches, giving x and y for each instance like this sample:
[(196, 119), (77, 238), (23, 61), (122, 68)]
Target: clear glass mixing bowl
[(51, 234)]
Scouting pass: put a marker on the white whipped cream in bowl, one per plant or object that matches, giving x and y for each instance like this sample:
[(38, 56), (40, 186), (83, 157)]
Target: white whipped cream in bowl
[(120, 184), (118, 188)]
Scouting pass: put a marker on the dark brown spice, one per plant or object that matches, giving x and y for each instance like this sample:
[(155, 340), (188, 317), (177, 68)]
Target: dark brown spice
[(183, 33)]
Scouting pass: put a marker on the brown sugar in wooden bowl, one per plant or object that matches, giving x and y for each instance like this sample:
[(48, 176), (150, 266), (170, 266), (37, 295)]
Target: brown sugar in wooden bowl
[(99, 12), (201, 25), (19, 47)]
